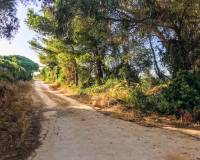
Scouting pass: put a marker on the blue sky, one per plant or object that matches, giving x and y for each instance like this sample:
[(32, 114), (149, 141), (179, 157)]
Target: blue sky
[(19, 45)]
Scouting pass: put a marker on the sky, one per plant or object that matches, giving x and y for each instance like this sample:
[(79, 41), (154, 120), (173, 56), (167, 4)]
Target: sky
[(19, 45)]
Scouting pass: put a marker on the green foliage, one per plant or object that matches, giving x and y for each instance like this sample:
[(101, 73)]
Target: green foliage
[(113, 46), (9, 22), (13, 68), (142, 102), (147, 81), (114, 89), (163, 106), (101, 88), (47, 74), (184, 92), (147, 95)]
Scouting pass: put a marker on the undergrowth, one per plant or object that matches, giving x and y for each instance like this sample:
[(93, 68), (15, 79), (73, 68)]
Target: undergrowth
[(19, 128), (148, 96)]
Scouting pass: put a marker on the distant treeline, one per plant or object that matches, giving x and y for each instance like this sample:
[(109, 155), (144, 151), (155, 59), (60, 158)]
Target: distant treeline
[(13, 68)]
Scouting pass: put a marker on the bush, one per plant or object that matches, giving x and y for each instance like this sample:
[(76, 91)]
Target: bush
[(119, 90), (14, 68), (100, 88), (113, 88), (162, 105), (183, 92), (141, 101), (147, 81)]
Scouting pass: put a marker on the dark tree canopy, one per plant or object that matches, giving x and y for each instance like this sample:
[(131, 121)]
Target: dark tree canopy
[(8, 20), (9, 23)]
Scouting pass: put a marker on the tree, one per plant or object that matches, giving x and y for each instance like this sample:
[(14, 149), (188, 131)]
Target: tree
[(9, 22), (134, 33), (174, 23), (54, 54), (15, 68)]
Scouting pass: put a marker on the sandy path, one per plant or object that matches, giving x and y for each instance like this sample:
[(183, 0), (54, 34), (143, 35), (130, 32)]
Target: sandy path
[(73, 131)]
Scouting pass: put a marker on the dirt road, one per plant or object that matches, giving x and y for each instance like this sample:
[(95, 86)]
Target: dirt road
[(73, 131)]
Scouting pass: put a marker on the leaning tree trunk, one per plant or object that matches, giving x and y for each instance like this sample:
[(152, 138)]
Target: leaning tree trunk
[(99, 71), (157, 69)]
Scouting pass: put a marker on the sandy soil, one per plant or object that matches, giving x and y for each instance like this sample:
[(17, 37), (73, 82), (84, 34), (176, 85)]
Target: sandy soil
[(74, 131)]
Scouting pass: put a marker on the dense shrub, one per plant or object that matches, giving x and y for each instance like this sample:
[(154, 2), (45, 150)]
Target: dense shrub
[(145, 103), (101, 88), (147, 81), (113, 89), (183, 92), (13, 68)]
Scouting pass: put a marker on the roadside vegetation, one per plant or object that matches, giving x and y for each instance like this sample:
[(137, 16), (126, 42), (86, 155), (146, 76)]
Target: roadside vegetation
[(19, 126), (14, 68), (144, 55), (139, 60), (19, 121)]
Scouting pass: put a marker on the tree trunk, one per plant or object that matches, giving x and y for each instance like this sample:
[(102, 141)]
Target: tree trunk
[(99, 71), (157, 69), (76, 76)]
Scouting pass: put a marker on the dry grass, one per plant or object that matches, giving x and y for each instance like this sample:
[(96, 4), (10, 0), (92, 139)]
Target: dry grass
[(19, 127)]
